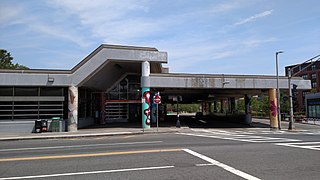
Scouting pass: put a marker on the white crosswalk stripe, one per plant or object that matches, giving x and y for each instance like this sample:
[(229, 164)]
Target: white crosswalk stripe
[(303, 145), (264, 131), (237, 136)]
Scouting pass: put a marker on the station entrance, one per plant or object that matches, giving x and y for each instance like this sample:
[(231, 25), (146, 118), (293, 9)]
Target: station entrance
[(121, 103), (115, 84)]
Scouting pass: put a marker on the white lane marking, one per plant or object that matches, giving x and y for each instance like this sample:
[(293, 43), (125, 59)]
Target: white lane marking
[(203, 121), (224, 166), (80, 146), (89, 172), (253, 139), (199, 165), (64, 135), (303, 145)]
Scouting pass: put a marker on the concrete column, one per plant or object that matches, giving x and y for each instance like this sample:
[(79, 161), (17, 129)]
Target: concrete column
[(273, 109), (73, 109), (232, 105), (248, 117), (146, 96), (222, 106), (215, 106), (210, 107), (205, 107), (102, 107)]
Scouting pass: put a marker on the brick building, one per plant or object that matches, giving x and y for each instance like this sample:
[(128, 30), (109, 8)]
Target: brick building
[(311, 73)]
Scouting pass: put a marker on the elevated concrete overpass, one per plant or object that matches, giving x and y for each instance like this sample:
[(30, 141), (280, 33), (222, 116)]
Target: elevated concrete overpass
[(217, 86), (107, 78)]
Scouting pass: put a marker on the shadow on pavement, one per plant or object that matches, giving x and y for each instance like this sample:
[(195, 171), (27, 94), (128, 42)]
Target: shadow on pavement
[(134, 125), (185, 121), (210, 122)]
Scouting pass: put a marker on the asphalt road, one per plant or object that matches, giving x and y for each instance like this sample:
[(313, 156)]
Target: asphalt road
[(196, 153)]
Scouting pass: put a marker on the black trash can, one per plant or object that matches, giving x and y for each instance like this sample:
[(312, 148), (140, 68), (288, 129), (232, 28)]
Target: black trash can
[(38, 126), (44, 124)]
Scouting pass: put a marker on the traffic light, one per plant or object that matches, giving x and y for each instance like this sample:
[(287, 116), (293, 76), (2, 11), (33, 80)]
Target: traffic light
[(294, 91)]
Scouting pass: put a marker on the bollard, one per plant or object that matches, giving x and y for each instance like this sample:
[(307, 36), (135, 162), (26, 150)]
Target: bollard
[(178, 122)]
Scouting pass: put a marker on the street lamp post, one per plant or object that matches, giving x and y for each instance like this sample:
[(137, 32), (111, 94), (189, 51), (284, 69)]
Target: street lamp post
[(278, 91), (291, 122)]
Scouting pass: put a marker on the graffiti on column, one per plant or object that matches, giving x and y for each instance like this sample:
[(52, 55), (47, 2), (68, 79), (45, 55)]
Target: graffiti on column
[(73, 107), (146, 111), (273, 108)]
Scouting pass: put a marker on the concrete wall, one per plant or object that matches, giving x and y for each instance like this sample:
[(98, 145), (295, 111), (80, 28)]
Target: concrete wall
[(223, 81), (16, 126)]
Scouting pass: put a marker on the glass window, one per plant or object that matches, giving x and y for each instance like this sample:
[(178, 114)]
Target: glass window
[(305, 76), (314, 76), (6, 91), (314, 111), (309, 111), (318, 111), (314, 84), (51, 91), (313, 67), (24, 91)]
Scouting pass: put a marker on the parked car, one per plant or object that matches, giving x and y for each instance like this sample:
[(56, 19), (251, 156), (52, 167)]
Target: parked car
[(199, 115)]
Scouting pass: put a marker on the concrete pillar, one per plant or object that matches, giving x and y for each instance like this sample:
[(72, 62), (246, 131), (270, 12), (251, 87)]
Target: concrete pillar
[(215, 106), (222, 106), (247, 102), (205, 107), (102, 107), (210, 107), (273, 109), (146, 96), (232, 105), (73, 109)]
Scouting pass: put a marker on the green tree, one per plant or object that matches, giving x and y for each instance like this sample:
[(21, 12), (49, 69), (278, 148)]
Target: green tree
[(6, 61)]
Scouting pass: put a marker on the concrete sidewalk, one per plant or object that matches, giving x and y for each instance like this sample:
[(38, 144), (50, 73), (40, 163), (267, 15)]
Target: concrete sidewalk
[(132, 130), (94, 132), (299, 125)]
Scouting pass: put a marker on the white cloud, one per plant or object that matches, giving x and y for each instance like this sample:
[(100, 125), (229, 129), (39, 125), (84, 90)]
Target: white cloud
[(257, 42), (253, 18), (191, 37), (228, 6), (8, 14), (200, 55), (59, 33), (111, 21)]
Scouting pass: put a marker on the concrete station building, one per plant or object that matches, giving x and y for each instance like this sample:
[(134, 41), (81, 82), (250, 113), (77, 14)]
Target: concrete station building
[(116, 84)]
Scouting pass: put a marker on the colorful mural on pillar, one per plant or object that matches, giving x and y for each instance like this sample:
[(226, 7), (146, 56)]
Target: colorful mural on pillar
[(73, 109), (273, 115), (146, 97), (273, 108)]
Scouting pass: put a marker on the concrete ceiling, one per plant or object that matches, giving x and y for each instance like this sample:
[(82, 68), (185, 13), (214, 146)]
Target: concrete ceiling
[(114, 71)]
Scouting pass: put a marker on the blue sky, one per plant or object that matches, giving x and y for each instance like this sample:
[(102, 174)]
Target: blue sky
[(208, 36)]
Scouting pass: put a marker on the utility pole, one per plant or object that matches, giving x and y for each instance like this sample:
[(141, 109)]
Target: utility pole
[(291, 123), (278, 90)]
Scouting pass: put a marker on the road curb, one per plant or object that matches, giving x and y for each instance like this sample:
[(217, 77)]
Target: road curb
[(66, 136)]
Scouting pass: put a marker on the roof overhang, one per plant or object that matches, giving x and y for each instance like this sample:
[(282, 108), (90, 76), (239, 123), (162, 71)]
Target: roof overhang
[(98, 70), (221, 81)]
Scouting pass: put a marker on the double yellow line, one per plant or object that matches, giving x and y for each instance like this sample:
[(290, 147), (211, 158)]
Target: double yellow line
[(88, 155)]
